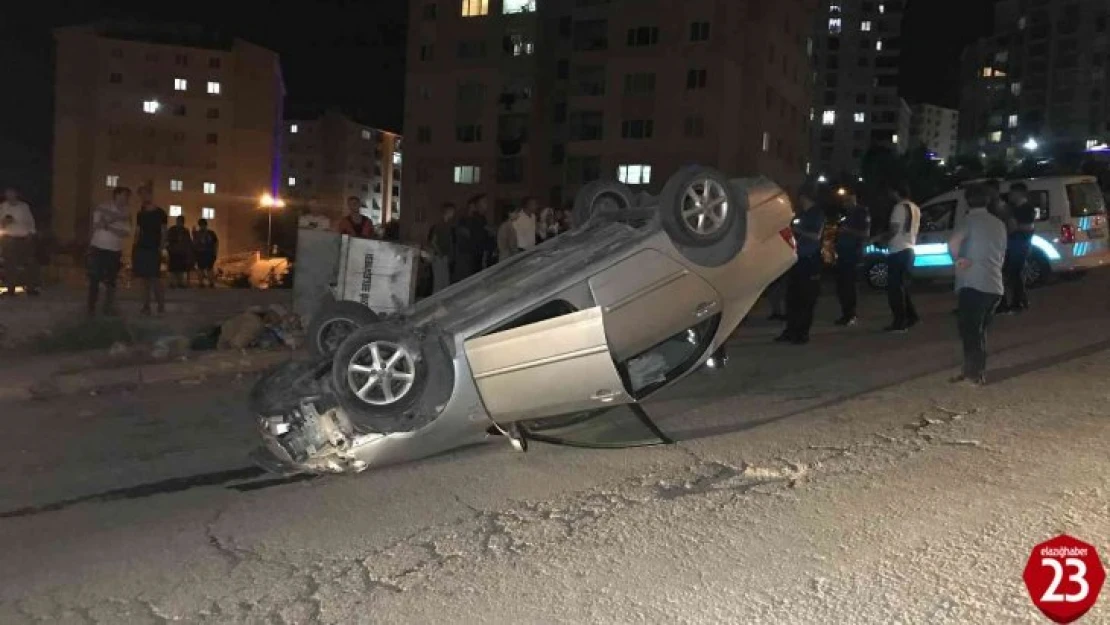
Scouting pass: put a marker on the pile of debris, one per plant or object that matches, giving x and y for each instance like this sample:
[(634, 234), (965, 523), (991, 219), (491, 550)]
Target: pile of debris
[(258, 327)]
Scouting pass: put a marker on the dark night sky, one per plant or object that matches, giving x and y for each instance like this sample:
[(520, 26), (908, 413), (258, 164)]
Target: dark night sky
[(348, 53)]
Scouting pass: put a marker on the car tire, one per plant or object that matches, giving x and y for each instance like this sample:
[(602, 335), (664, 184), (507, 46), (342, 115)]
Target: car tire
[(334, 322), (1037, 271), (394, 357), (704, 215), (284, 387), (877, 274), (601, 197)]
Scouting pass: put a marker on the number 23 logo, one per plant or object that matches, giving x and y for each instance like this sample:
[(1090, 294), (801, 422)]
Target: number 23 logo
[(1052, 594)]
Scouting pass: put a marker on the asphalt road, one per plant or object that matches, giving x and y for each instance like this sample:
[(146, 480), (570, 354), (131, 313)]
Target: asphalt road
[(844, 481)]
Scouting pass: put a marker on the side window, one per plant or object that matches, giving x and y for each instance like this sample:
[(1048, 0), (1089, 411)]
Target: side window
[(543, 312), (939, 217), (668, 359)]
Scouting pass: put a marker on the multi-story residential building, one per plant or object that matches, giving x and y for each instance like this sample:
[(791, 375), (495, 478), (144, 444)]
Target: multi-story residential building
[(1039, 83), (855, 95), (905, 123), (527, 97), (935, 129), (331, 157), (196, 116)]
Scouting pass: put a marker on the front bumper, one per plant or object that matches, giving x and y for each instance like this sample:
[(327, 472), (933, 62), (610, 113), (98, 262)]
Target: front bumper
[(305, 440)]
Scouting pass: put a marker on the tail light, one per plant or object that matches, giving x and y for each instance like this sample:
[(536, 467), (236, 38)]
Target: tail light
[(788, 235), (1067, 233)]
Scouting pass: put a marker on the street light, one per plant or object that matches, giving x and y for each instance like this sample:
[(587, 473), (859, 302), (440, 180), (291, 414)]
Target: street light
[(1031, 145), (270, 202)]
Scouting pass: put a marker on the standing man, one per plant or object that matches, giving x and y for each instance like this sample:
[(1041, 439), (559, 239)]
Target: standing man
[(111, 224), (506, 237), (854, 231), (525, 224), (804, 280), (146, 253), (355, 224), (905, 221), (478, 225), (1019, 243), (179, 248), (466, 245), (441, 238), (206, 247), (978, 249), (17, 244)]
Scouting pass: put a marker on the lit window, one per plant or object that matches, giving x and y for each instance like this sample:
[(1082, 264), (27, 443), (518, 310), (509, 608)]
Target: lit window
[(213, 87), (396, 159), (151, 106), (996, 136), (176, 185), (1015, 88), (987, 71), (879, 45), (1021, 23), (468, 174), (292, 181), (834, 25), (518, 6), (882, 8), (894, 139), (809, 166), (210, 188), (834, 9), (294, 129), (475, 8), (860, 117), (366, 134), (766, 141), (865, 26), (828, 118), (175, 210), (111, 181), (634, 174), (1012, 122), (812, 114), (208, 213), (180, 84)]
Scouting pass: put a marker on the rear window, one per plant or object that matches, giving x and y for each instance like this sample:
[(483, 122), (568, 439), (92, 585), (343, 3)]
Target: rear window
[(1085, 199)]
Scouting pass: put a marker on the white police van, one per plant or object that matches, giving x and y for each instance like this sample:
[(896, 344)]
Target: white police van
[(1070, 234)]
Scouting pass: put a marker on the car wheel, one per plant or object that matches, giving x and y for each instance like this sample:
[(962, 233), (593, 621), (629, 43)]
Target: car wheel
[(705, 216), (379, 374), (601, 197), (878, 275), (1037, 271), (334, 322)]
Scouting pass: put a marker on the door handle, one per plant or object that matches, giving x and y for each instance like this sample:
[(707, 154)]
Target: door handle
[(704, 309), (605, 396)]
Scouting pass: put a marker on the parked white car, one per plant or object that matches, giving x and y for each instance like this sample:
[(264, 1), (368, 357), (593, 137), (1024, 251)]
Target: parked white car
[(1070, 232)]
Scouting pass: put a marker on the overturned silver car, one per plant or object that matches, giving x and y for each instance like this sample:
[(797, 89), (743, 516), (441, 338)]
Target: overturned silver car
[(547, 345)]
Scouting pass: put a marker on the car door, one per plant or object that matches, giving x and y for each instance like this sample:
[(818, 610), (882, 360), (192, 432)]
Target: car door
[(557, 366), (648, 297)]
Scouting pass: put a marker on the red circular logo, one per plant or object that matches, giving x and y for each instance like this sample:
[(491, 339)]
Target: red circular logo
[(1064, 576)]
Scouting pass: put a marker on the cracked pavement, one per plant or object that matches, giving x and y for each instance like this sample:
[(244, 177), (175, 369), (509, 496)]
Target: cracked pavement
[(842, 482)]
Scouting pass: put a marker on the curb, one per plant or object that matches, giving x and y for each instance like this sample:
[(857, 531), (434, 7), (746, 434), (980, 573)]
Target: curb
[(187, 371)]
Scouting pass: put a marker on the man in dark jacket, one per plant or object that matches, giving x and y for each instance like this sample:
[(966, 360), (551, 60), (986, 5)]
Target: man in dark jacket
[(803, 285), (854, 231), (1019, 243)]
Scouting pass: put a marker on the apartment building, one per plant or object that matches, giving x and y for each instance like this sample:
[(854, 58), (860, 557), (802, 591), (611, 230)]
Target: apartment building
[(1039, 82), (518, 97), (855, 95), (331, 157), (195, 115), (935, 128)]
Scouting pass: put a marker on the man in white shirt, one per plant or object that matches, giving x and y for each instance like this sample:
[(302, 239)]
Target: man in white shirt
[(17, 244), (524, 222), (905, 221), (111, 225)]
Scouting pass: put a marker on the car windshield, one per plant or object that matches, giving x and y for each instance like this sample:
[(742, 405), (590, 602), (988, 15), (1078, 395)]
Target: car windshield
[(1086, 199)]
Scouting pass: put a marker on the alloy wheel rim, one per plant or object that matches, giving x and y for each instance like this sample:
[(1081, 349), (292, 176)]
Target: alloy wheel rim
[(705, 207), (879, 275), (333, 332), (381, 373)]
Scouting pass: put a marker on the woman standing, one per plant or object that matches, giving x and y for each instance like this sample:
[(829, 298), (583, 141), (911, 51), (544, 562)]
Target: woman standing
[(179, 245), (146, 255)]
